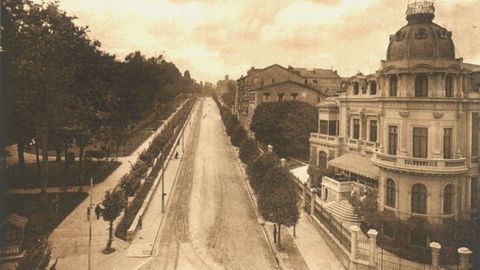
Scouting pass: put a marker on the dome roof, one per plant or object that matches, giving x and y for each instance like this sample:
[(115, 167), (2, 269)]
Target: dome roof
[(421, 38)]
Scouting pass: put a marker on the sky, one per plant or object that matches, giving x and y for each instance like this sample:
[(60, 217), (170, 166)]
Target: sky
[(212, 38)]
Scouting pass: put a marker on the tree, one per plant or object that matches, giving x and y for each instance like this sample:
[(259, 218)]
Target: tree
[(286, 125), (113, 204), (278, 201), (37, 256), (257, 168), (248, 150), (238, 135)]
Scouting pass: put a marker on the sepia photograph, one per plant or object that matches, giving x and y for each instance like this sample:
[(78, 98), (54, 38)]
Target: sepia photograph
[(240, 135)]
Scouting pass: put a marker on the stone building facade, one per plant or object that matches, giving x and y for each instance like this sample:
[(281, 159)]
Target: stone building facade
[(412, 127), (277, 83)]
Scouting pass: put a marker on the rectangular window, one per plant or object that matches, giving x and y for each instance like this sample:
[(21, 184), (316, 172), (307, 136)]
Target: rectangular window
[(474, 193), (447, 143), (332, 128), (324, 127), (475, 128), (373, 130), (420, 142), (356, 128), (280, 96), (294, 96), (266, 97), (392, 140), (315, 81)]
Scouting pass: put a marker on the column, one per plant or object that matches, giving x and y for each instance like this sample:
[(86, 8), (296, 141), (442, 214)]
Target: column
[(312, 202), (437, 138), (464, 256), (403, 133), (354, 243), (435, 255), (372, 247)]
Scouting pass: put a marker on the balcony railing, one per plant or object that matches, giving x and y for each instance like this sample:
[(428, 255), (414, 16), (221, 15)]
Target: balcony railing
[(317, 137), (426, 165), (338, 186)]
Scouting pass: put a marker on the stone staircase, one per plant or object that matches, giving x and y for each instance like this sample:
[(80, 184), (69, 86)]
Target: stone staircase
[(342, 210)]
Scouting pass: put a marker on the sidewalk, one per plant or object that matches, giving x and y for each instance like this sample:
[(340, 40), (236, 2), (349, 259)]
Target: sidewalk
[(144, 240), (70, 239), (312, 246)]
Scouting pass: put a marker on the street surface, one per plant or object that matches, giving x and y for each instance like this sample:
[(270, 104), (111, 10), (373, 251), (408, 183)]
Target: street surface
[(210, 222)]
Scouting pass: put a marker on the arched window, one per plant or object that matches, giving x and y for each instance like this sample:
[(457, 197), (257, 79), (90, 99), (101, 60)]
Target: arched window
[(391, 193), (356, 88), (373, 88), (393, 86), (419, 199), (322, 159), (447, 199), (449, 86), (421, 85)]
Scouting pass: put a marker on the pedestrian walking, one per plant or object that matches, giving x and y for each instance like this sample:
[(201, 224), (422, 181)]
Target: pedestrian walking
[(176, 154), (98, 210), (88, 212), (274, 233)]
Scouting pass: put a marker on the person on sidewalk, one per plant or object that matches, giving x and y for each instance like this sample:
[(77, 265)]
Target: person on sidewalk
[(176, 154), (98, 210), (274, 233)]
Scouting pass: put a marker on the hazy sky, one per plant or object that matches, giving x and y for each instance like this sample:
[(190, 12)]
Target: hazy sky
[(212, 38)]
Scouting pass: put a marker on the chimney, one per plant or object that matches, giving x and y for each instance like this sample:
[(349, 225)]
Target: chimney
[(270, 149)]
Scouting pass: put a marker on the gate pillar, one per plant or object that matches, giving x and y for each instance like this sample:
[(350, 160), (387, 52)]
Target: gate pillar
[(354, 243), (372, 247), (435, 255), (312, 203), (464, 254)]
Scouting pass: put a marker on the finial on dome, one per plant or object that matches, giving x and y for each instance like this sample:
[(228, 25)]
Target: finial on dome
[(420, 12)]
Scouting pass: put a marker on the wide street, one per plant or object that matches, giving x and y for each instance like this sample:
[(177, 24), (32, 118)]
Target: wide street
[(210, 221)]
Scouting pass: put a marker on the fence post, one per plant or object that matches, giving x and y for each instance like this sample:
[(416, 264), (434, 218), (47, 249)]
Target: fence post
[(354, 244), (372, 247), (435, 255), (464, 254), (304, 201), (312, 203)]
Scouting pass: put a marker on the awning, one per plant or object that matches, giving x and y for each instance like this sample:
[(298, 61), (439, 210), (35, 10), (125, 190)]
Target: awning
[(356, 164), (17, 221), (301, 173)]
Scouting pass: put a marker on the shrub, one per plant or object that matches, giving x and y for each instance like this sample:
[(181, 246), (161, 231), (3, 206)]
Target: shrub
[(238, 135), (248, 150)]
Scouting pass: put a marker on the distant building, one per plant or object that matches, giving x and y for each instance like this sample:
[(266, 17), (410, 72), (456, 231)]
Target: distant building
[(411, 130), (277, 83), (222, 85)]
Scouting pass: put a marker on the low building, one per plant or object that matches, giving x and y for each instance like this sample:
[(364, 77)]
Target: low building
[(277, 83), (11, 237), (411, 130)]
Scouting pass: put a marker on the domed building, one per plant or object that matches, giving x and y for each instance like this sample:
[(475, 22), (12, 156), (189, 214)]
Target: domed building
[(411, 130)]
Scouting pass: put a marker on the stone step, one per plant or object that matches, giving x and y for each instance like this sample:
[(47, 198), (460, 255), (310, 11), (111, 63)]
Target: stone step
[(342, 210)]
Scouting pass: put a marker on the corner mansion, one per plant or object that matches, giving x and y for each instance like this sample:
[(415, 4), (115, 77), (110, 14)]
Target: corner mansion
[(411, 130)]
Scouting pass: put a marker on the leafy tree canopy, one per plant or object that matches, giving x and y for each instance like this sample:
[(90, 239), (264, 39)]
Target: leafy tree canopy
[(286, 125)]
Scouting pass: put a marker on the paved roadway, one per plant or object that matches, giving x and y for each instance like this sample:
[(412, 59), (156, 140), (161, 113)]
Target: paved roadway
[(210, 221)]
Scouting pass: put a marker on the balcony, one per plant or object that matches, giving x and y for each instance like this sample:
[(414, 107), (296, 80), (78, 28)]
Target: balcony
[(420, 165), (324, 139)]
